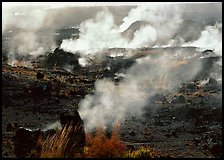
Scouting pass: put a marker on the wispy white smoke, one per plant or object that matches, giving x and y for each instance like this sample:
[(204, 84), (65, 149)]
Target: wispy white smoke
[(53, 125), (26, 42), (111, 103), (210, 38), (25, 22), (149, 33)]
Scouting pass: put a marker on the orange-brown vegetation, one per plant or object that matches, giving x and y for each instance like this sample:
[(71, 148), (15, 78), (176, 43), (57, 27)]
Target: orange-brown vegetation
[(98, 145), (101, 146)]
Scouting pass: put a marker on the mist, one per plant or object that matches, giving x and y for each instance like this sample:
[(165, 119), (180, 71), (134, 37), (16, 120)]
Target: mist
[(113, 103), (24, 24), (102, 28), (28, 30)]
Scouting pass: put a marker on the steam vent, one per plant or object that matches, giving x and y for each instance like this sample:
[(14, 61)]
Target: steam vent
[(111, 80)]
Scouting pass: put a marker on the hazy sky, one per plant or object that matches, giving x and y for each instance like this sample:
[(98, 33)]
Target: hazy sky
[(66, 4), (198, 11)]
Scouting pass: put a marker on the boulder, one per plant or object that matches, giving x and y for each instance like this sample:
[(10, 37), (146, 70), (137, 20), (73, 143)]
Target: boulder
[(130, 147), (9, 127), (212, 85), (174, 134), (39, 76), (216, 150), (76, 134), (25, 141), (132, 133), (61, 58), (212, 81), (207, 52), (178, 100), (68, 116), (191, 87)]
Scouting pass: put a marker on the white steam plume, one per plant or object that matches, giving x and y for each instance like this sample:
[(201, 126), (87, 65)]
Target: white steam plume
[(165, 20), (96, 34), (102, 32), (111, 103), (210, 38)]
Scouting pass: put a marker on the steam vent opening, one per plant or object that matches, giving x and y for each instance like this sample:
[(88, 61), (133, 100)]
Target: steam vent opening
[(111, 80)]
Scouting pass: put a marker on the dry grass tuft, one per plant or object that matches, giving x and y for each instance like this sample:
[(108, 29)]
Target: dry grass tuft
[(54, 146), (98, 145)]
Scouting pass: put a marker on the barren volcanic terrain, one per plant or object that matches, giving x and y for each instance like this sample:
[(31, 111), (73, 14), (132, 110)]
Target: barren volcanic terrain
[(148, 74), (186, 122)]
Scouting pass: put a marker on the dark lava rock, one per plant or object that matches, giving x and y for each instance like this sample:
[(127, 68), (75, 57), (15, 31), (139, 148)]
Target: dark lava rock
[(212, 85), (166, 156), (207, 52), (196, 140), (159, 122), (191, 86), (216, 150), (174, 134), (130, 147), (61, 58), (214, 114), (16, 126), (69, 116), (47, 86), (188, 112), (9, 127), (178, 100), (26, 141), (132, 133), (212, 81), (39, 76), (199, 130), (209, 88), (160, 97), (168, 135)]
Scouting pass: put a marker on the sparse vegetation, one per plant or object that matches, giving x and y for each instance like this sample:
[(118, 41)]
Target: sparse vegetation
[(101, 146), (54, 146), (142, 152), (98, 145)]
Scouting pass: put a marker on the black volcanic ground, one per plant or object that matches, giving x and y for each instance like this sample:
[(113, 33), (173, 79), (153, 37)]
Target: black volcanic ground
[(186, 123)]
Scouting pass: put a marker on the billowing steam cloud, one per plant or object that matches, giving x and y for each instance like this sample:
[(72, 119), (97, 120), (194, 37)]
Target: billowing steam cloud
[(96, 34), (210, 38), (111, 103), (102, 32), (164, 20)]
